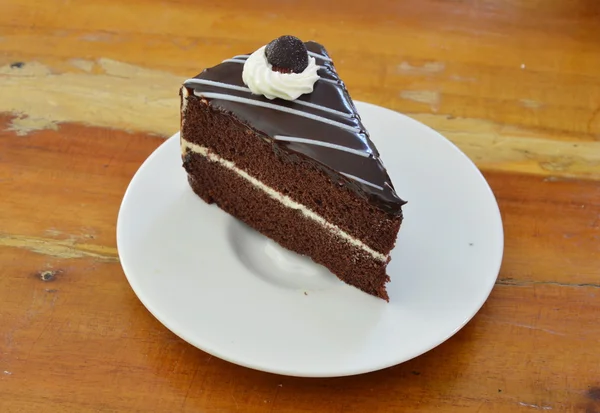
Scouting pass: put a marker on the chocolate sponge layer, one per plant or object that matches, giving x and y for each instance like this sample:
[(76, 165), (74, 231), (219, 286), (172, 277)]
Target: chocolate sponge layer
[(217, 184), (291, 174)]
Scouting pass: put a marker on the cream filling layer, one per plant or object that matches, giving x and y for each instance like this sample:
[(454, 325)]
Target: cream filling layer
[(283, 199)]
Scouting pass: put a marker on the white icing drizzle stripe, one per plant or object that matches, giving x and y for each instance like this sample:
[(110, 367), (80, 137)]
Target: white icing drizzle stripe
[(320, 56), (324, 108), (234, 61), (217, 84), (321, 143), (284, 199), (362, 181), (245, 89), (335, 82), (238, 99)]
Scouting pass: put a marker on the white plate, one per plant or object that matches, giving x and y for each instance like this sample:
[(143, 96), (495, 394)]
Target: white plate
[(233, 293)]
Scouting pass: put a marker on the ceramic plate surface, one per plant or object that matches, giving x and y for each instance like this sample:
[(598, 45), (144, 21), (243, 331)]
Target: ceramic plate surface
[(233, 293)]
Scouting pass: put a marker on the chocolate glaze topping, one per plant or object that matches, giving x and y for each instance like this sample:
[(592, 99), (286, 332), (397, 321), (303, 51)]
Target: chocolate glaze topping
[(360, 165)]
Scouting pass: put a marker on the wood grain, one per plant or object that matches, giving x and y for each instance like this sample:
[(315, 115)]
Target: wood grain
[(515, 92), (81, 341), (89, 89)]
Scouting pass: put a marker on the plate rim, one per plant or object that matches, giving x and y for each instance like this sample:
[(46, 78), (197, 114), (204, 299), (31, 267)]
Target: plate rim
[(485, 294)]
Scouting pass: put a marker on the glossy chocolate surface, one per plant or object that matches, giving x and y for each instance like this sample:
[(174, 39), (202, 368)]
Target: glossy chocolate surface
[(329, 92)]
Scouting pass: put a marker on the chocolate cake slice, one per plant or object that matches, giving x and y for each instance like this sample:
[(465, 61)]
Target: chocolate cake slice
[(274, 139)]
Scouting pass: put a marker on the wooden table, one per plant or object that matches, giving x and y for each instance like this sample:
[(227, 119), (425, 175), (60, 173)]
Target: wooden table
[(88, 89)]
